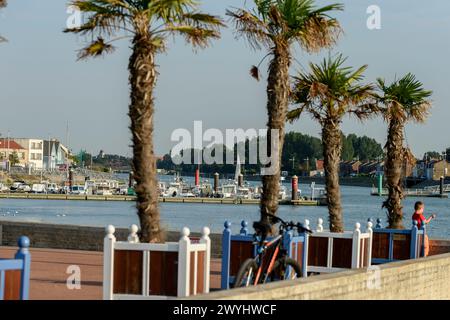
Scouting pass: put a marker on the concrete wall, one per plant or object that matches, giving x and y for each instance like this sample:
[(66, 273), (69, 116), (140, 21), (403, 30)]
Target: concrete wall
[(77, 237), (425, 278)]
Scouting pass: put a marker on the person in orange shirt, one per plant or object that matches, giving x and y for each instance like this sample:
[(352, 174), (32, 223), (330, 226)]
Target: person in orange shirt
[(418, 216)]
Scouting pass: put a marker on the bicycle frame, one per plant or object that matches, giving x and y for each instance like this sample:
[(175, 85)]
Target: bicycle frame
[(261, 250)]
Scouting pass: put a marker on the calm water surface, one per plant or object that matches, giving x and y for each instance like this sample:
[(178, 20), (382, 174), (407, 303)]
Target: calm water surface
[(358, 206)]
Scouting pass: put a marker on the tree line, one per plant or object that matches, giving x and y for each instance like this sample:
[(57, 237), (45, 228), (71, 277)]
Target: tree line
[(299, 155)]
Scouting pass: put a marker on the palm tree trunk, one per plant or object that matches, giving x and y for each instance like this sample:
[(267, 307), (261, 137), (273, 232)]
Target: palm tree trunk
[(393, 172), (142, 81), (332, 145), (277, 105)]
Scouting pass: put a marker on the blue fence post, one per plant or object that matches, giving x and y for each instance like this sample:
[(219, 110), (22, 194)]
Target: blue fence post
[(414, 234), (24, 254), (287, 241), (226, 242), (244, 229)]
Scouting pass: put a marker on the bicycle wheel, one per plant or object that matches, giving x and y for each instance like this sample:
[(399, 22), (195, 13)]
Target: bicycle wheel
[(285, 269), (246, 274)]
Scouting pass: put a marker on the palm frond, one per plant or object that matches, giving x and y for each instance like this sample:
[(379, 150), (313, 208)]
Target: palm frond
[(197, 37), (405, 99), (331, 90), (251, 27), (170, 10), (96, 48)]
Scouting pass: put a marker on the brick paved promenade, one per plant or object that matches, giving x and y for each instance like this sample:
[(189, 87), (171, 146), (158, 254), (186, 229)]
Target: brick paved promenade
[(49, 277)]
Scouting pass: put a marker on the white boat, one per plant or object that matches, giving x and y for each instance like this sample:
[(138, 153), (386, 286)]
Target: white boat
[(282, 194), (104, 191), (174, 190), (162, 188), (244, 193), (228, 190)]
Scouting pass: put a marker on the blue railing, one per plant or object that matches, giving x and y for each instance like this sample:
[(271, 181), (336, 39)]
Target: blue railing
[(416, 243), (21, 262), (290, 241)]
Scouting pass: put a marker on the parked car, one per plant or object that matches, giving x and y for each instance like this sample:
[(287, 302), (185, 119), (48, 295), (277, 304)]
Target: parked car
[(16, 184), (53, 188), (3, 188), (24, 188), (38, 188), (78, 190)]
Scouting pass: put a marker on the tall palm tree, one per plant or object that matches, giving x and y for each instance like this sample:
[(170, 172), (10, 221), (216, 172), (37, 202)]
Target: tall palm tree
[(327, 94), (276, 25), (402, 101), (2, 5), (149, 24)]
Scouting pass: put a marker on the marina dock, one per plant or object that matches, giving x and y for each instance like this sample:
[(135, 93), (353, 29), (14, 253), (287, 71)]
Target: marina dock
[(413, 193), (237, 201)]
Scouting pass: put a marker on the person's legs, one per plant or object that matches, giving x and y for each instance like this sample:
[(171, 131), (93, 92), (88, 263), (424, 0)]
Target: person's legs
[(426, 246)]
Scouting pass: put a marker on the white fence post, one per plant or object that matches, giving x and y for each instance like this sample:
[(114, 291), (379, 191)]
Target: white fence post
[(356, 245), (370, 232), (319, 225), (184, 257), (108, 263), (207, 266), (133, 237)]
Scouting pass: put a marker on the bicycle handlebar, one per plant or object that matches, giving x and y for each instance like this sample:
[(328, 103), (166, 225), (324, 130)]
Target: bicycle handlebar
[(300, 227)]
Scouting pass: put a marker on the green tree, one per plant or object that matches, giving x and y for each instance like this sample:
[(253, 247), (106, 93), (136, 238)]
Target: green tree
[(364, 148), (276, 25), (14, 159), (402, 101), (149, 25), (300, 150), (348, 150), (328, 93), (431, 155)]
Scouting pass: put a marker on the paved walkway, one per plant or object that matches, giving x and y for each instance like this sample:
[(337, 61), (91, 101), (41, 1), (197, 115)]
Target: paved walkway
[(49, 273)]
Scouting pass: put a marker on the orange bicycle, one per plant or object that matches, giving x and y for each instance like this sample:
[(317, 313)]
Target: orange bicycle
[(271, 262)]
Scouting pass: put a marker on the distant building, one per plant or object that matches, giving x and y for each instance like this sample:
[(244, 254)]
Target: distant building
[(347, 168), (356, 167), (319, 169), (55, 154), (437, 169), (9, 146), (371, 168), (35, 148)]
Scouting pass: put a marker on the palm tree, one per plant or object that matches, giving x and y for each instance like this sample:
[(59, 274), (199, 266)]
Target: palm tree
[(328, 93), (149, 24), (402, 101), (2, 5), (276, 25)]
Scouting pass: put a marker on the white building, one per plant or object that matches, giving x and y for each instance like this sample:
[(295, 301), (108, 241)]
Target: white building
[(35, 149)]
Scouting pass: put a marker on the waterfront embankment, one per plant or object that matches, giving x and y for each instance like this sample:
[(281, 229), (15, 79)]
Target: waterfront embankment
[(37, 196)]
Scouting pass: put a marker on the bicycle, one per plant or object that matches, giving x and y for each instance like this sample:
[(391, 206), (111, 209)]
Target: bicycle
[(271, 262)]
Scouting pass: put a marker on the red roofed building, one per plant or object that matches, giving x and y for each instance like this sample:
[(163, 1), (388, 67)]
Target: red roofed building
[(8, 147)]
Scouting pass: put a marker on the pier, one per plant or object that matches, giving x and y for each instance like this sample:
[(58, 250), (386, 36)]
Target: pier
[(237, 201), (427, 193)]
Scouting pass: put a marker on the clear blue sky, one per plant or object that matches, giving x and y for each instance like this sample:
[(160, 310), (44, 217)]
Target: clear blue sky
[(42, 86)]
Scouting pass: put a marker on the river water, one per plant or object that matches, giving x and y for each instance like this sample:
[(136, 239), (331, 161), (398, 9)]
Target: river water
[(358, 206)]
